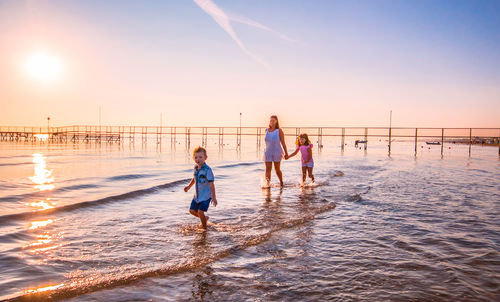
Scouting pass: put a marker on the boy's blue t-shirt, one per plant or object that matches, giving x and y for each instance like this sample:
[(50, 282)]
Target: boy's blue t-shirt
[(203, 176)]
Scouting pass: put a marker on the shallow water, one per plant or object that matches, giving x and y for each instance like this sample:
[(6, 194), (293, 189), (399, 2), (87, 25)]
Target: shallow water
[(111, 223)]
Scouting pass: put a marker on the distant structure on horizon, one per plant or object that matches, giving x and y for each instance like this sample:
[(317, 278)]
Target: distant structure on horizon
[(120, 134)]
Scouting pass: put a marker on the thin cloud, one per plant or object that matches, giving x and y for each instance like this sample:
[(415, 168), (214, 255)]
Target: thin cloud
[(255, 24), (224, 21)]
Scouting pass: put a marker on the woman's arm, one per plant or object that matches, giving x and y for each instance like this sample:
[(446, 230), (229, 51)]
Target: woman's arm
[(282, 140)]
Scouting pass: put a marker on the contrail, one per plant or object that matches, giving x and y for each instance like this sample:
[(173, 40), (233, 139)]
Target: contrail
[(224, 21)]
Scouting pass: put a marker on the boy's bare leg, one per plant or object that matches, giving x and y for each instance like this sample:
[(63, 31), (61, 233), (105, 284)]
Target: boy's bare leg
[(203, 219), (194, 213), (278, 172)]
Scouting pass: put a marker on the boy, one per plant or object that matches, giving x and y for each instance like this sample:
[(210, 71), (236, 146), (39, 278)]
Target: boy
[(205, 189)]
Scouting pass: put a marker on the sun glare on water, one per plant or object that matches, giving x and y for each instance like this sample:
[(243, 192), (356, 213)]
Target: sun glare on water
[(43, 67)]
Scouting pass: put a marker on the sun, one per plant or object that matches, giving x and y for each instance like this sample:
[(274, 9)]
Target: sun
[(43, 67)]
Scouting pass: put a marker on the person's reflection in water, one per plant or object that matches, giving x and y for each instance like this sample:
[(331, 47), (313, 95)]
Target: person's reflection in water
[(271, 211), (203, 284), (204, 280), (200, 245), (267, 195)]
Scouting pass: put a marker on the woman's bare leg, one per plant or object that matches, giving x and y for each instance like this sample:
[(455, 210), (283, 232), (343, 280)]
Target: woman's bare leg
[(278, 172), (269, 167)]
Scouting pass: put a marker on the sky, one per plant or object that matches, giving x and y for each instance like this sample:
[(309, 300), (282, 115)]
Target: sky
[(203, 62)]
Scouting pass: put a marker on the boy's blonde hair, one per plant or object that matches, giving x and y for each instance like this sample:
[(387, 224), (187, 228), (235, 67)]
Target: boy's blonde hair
[(200, 149)]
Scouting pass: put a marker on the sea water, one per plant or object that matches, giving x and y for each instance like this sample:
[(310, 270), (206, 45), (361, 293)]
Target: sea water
[(110, 222)]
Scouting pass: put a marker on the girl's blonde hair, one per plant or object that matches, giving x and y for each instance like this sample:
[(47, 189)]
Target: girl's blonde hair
[(304, 136)]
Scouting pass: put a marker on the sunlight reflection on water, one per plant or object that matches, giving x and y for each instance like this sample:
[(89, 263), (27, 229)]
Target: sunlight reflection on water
[(41, 223), (42, 204), (42, 179)]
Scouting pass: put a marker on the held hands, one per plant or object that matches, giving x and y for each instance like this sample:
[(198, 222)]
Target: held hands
[(287, 157)]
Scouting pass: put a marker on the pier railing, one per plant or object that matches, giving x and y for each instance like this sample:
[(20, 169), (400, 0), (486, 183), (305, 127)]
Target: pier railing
[(362, 135)]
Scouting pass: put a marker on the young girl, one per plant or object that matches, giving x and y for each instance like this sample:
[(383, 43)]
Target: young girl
[(304, 146)]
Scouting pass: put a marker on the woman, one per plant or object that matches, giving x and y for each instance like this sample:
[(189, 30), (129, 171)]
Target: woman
[(275, 138)]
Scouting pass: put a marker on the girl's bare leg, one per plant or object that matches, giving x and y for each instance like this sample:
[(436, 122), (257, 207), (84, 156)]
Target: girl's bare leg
[(278, 172), (304, 171), (310, 172)]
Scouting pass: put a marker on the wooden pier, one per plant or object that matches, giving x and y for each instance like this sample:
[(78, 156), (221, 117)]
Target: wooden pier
[(131, 134)]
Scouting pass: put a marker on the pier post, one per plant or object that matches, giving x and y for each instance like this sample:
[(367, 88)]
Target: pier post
[(238, 137), (366, 138), (390, 139), (470, 141), (416, 135), (319, 138), (442, 141), (343, 138), (257, 136), (158, 135), (175, 135), (188, 137), (319, 135), (219, 136), (171, 136)]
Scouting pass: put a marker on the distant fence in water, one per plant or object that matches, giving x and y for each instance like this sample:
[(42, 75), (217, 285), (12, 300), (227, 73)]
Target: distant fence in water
[(120, 134)]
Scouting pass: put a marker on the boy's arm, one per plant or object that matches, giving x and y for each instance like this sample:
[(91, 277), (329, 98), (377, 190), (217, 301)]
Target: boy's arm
[(191, 183), (214, 197)]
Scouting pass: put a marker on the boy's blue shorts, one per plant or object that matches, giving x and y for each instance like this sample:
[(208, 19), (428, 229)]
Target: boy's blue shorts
[(202, 206)]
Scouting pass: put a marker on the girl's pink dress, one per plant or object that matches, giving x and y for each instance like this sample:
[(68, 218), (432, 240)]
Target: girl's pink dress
[(305, 155)]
